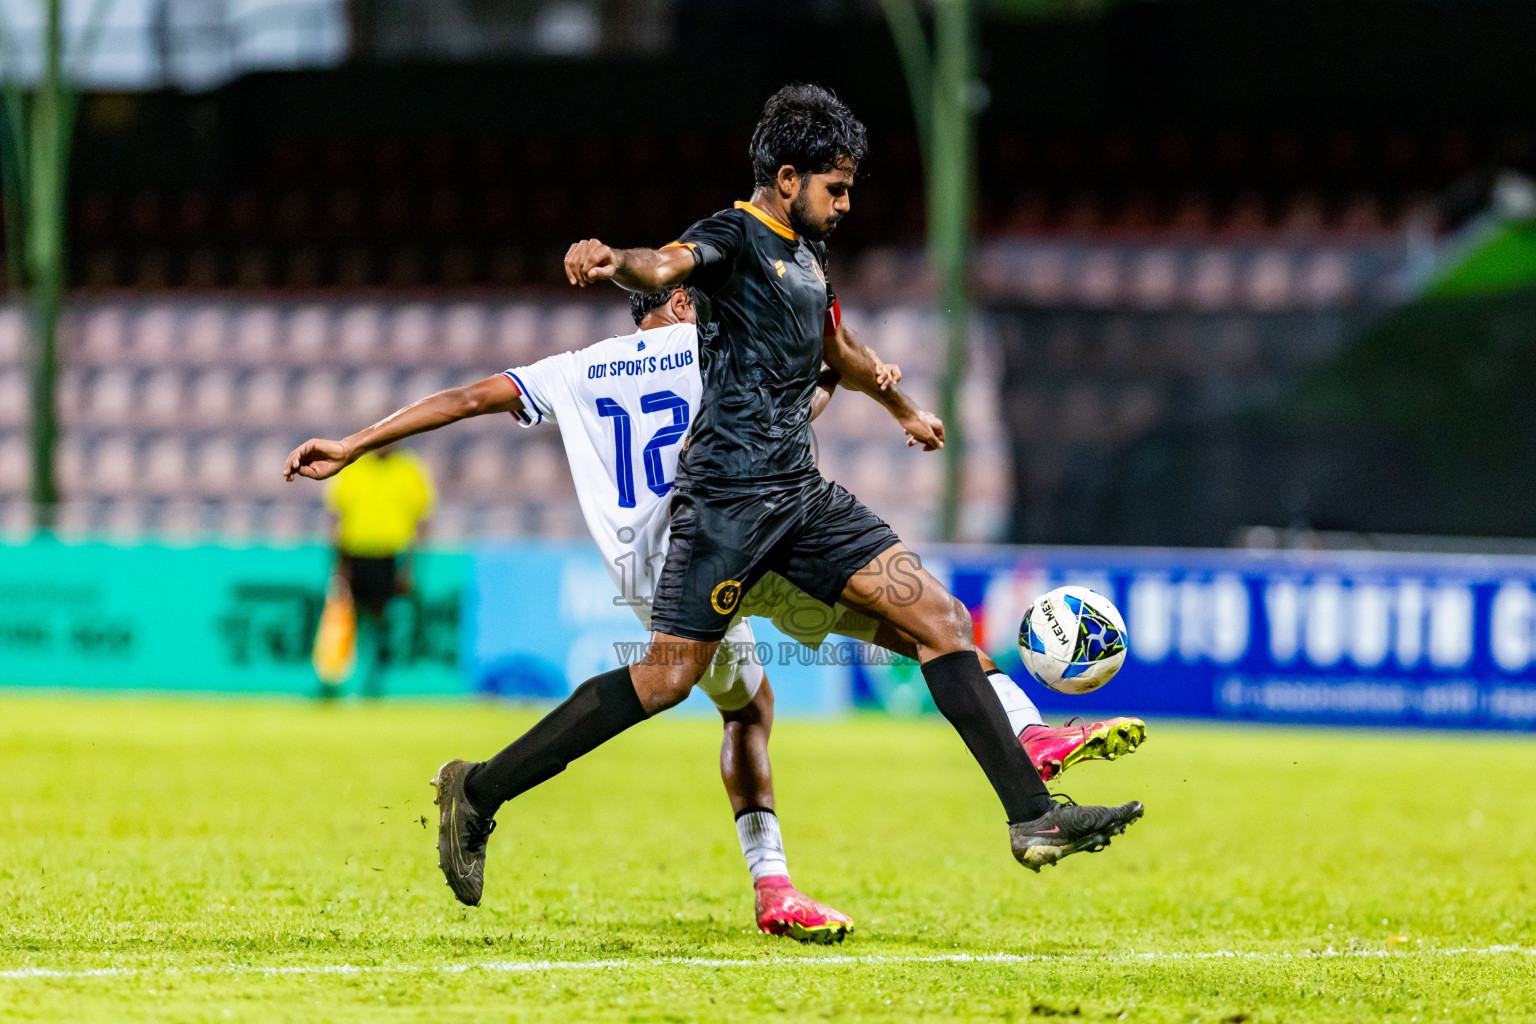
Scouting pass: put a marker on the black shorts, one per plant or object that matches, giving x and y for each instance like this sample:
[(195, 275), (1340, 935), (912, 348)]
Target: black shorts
[(373, 581), (816, 535)]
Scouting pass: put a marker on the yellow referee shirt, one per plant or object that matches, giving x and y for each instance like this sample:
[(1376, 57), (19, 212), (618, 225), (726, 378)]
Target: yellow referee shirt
[(379, 500)]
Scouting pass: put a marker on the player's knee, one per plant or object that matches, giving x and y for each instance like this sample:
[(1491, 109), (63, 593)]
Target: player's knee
[(668, 692), (662, 686), (953, 624)]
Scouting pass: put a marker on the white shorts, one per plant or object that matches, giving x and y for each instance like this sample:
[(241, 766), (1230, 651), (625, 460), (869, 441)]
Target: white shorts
[(736, 674), (800, 616)]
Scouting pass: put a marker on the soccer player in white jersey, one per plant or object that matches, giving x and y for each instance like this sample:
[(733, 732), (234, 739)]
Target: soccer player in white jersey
[(623, 407)]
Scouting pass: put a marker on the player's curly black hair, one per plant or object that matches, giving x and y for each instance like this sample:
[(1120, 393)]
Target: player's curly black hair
[(808, 128), (641, 303)]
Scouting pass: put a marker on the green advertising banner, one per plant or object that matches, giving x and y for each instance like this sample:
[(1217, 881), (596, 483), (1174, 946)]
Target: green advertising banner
[(207, 618)]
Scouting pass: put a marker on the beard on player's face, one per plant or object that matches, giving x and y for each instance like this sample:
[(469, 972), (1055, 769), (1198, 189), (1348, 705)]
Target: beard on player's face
[(803, 217)]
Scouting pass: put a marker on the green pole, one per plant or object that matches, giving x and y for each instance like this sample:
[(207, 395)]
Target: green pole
[(50, 123), (950, 201)]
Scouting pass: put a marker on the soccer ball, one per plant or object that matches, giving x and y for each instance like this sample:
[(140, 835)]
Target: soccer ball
[(1072, 640)]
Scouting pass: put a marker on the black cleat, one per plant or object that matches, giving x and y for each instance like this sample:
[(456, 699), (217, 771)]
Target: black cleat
[(1067, 829), (461, 834)]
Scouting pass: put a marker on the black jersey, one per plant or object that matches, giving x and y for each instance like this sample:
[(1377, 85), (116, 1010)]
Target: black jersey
[(760, 348)]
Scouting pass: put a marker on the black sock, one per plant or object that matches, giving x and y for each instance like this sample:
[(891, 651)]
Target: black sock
[(600, 709), (963, 695)]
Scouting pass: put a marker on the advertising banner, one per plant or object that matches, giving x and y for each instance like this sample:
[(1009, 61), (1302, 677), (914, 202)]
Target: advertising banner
[(206, 618), (1324, 637), (1336, 637)]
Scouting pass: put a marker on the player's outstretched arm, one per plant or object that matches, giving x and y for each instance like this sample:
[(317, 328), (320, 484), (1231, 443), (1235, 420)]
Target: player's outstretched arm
[(639, 270), (860, 369), (319, 458)]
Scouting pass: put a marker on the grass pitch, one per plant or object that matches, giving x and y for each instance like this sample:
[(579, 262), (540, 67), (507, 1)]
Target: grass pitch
[(273, 861)]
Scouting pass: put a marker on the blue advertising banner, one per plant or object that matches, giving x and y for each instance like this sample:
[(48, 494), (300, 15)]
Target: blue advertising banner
[(1325, 637), (1337, 637)]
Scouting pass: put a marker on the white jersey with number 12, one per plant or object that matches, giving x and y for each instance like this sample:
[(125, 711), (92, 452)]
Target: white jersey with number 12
[(623, 407)]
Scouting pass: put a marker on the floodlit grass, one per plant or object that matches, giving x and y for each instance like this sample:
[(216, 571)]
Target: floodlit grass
[(188, 845)]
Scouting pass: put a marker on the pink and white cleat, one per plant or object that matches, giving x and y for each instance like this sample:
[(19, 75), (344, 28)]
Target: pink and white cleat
[(1053, 751), (784, 910)]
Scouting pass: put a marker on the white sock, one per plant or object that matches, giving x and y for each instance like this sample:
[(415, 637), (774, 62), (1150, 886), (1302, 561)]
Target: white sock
[(761, 844), (1022, 712)]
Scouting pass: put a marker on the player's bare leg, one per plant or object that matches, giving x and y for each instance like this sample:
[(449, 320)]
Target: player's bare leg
[(469, 794), (1051, 751), (748, 776), (895, 588)]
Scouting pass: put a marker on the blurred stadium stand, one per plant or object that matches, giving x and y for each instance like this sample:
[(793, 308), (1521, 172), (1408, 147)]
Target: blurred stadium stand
[(1186, 212), (178, 414), (497, 211)]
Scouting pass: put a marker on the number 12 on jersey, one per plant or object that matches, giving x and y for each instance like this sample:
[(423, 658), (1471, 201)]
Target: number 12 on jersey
[(670, 434)]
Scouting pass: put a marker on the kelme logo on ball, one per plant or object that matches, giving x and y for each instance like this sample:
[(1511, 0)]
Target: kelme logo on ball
[(725, 595)]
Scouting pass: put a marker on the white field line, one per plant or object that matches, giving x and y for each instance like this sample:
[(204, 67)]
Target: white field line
[(543, 966)]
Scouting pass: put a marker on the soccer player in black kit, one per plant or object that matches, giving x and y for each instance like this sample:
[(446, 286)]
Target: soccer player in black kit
[(749, 499)]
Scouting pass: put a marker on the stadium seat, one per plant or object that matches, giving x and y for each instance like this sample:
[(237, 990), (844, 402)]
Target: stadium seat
[(16, 518), (1268, 284), (15, 401), (309, 334), (1045, 276), (114, 465), (181, 519), (285, 520), (450, 523), (218, 469), (154, 334), (316, 401), (1097, 279), (483, 468), (111, 397), (370, 395), (568, 327), (264, 465), (256, 329), (413, 334), (506, 521), (161, 401), (70, 464), (266, 397), (15, 465), (1154, 280), (13, 334), (1325, 279), (419, 384), (102, 336), (204, 334), (74, 516), (212, 397), (542, 470), (516, 331), (1213, 280), (358, 331), (126, 518), (165, 465), (463, 332)]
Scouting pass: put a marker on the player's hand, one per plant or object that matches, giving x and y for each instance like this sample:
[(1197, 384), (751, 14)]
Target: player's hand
[(887, 374), (317, 459), (588, 261), (923, 428)]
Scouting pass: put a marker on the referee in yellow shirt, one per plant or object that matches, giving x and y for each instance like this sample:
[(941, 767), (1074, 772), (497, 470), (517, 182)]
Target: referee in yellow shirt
[(381, 503)]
